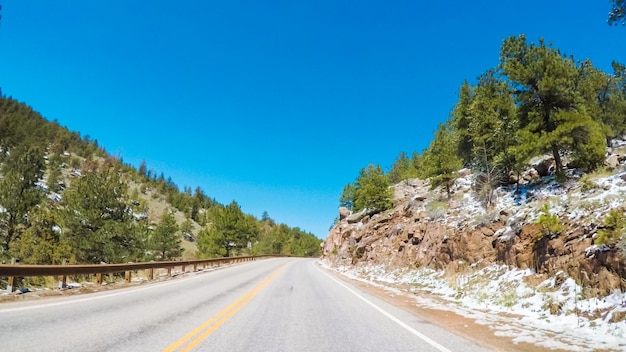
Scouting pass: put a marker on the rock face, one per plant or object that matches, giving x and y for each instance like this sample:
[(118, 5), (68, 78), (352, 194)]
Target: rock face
[(425, 230)]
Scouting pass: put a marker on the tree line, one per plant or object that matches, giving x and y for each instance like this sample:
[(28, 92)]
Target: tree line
[(63, 198), (536, 100)]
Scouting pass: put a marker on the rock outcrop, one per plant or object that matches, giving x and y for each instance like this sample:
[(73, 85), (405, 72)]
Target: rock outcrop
[(426, 230)]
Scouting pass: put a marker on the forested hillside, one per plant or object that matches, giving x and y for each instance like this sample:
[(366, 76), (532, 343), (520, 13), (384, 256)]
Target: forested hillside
[(63, 198), (535, 101)]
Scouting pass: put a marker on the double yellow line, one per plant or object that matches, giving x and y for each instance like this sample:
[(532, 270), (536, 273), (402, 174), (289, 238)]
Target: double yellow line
[(199, 334)]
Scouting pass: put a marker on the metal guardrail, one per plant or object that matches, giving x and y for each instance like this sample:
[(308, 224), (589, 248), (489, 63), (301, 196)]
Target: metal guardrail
[(13, 271)]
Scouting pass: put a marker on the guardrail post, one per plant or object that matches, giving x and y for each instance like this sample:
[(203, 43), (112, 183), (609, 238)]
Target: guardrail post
[(63, 281), (182, 269), (98, 279), (195, 268), (127, 276), (10, 284), (151, 274), (169, 271)]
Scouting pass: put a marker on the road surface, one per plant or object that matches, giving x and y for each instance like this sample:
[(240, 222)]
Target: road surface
[(282, 304)]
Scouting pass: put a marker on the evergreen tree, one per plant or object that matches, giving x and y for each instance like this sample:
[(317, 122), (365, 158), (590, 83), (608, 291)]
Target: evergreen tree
[(441, 161), (165, 239), (19, 194), (527, 143), (96, 220), (372, 190), (347, 196), (417, 164), (618, 12), (273, 241), (230, 231), (493, 124), (603, 99), (143, 169), (54, 176), (461, 121), (402, 169), (550, 106), (42, 243)]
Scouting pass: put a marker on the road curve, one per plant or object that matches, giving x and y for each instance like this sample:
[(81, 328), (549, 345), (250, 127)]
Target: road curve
[(281, 304)]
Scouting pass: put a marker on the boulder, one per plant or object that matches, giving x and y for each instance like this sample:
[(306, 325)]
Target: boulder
[(545, 167), (357, 217), (464, 172), (344, 213), (612, 161)]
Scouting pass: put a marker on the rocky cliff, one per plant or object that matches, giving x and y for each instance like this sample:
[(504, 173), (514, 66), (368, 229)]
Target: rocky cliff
[(426, 229)]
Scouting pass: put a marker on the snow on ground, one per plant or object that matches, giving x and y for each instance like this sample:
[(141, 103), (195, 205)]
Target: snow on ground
[(500, 298), (549, 314)]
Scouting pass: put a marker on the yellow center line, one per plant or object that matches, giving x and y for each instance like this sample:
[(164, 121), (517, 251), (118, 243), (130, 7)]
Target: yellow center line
[(220, 318)]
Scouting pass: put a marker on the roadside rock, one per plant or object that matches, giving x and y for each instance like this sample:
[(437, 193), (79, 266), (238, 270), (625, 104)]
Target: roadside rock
[(343, 213), (424, 229)]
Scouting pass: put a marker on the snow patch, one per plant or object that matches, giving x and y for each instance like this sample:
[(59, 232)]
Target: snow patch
[(551, 314)]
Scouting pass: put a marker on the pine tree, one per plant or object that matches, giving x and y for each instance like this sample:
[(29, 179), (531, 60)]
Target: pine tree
[(402, 169), (550, 105), (461, 121), (441, 161), (347, 196), (417, 161), (19, 194), (143, 169), (42, 242), (372, 190), (165, 239), (493, 124), (96, 221), (618, 12), (229, 231)]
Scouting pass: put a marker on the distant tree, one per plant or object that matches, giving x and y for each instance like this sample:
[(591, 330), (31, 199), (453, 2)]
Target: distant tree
[(19, 193), (303, 244), (143, 169), (441, 161), (229, 231), (618, 12), (281, 239), (274, 240), (402, 169), (265, 217), (165, 239), (54, 176), (372, 190), (417, 162), (186, 226)]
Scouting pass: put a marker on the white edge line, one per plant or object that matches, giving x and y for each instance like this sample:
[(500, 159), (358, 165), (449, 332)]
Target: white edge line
[(103, 295), (388, 315)]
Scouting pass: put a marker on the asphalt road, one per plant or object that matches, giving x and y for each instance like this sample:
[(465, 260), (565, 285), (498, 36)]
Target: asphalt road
[(281, 304)]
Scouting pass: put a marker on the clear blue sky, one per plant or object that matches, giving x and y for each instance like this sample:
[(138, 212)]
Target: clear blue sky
[(274, 104)]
